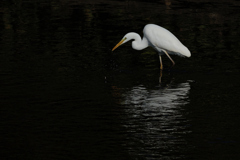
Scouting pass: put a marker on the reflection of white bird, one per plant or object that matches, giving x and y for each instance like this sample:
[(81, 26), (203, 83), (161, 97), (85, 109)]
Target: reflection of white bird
[(166, 100), (160, 39), (156, 119)]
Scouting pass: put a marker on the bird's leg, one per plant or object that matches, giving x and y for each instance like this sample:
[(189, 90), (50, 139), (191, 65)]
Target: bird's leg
[(160, 77), (169, 57), (160, 59)]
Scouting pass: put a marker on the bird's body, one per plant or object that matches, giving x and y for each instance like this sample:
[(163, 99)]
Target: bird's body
[(160, 39)]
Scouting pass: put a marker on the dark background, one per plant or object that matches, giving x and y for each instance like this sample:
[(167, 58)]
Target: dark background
[(65, 95)]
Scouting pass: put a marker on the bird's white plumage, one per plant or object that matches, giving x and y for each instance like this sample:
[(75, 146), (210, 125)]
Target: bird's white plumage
[(160, 38)]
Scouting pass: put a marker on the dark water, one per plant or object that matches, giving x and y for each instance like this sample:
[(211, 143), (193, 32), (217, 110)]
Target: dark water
[(65, 95)]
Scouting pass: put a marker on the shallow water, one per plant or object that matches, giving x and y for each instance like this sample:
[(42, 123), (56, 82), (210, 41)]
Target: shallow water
[(65, 95)]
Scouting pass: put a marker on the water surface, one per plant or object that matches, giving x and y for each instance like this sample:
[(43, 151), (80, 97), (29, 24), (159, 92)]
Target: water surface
[(65, 95)]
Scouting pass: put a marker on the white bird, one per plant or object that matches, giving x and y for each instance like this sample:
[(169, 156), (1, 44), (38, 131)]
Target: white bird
[(160, 39)]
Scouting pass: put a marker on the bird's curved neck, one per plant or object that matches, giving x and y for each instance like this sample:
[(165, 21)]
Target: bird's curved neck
[(138, 43)]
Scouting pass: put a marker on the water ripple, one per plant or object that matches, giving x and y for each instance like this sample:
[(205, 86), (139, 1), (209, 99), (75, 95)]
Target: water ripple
[(156, 120)]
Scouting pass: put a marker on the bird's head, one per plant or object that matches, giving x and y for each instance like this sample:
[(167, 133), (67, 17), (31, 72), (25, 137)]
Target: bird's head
[(125, 39)]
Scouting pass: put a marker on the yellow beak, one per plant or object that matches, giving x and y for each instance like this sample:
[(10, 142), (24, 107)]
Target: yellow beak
[(119, 44)]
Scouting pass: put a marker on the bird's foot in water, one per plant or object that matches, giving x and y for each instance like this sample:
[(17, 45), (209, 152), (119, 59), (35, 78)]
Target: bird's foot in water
[(160, 76)]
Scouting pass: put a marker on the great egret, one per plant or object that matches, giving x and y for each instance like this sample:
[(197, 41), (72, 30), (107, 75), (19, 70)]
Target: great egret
[(160, 39)]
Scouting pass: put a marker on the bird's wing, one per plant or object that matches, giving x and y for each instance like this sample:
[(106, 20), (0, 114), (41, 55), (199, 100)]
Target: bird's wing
[(160, 38), (166, 40)]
